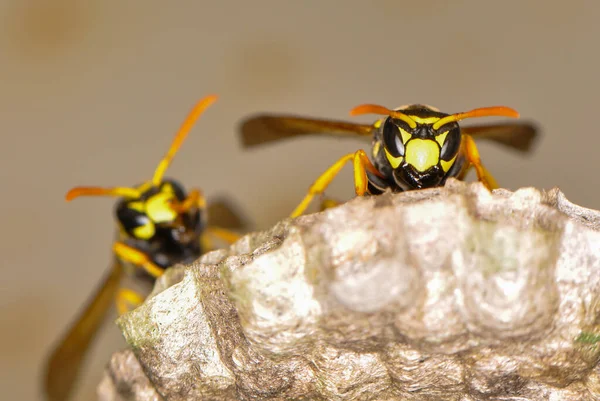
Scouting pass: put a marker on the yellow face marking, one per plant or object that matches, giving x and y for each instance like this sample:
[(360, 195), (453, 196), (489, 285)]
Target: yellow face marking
[(377, 124), (137, 206), (405, 135), (424, 120), (422, 154), (447, 164), (441, 138), (158, 208), (167, 187), (394, 161), (376, 148), (144, 232)]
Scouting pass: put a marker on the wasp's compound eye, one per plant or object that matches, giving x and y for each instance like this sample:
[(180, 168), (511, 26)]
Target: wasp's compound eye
[(450, 144), (392, 140)]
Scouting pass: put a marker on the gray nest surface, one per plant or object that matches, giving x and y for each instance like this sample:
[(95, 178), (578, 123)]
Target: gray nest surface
[(452, 293)]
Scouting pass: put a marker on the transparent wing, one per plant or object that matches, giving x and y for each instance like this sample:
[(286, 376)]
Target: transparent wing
[(222, 213), (519, 136), (64, 363), (266, 128)]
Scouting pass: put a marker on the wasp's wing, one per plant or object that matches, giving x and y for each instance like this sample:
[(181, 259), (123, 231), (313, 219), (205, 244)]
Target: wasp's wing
[(519, 136), (222, 213), (266, 128), (65, 361)]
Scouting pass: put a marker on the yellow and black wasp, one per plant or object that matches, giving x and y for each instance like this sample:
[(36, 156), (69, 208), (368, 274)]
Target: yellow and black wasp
[(160, 225), (413, 147)]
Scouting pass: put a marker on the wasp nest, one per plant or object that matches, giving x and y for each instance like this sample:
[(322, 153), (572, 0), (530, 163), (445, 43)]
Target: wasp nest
[(452, 293)]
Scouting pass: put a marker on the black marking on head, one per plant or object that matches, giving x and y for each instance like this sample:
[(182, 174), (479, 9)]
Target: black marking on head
[(408, 178), (451, 143), (422, 111), (391, 137), (129, 218)]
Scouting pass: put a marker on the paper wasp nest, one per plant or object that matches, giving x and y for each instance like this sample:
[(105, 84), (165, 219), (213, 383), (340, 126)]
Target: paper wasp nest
[(443, 294)]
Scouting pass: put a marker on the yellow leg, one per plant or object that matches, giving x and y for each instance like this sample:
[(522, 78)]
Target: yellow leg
[(472, 154), (128, 300), (361, 165), (328, 204), (206, 243), (137, 258), (219, 233), (224, 235)]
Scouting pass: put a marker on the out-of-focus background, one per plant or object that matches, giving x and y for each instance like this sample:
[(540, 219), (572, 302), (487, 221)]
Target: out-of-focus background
[(92, 92)]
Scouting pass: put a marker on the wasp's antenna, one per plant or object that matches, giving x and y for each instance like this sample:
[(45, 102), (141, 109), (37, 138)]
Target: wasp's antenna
[(376, 109), (482, 112), (180, 136), (94, 191)]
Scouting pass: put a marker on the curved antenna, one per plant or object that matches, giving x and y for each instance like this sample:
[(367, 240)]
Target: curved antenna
[(180, 136), (377, 109), (501, 111), (95, 191)]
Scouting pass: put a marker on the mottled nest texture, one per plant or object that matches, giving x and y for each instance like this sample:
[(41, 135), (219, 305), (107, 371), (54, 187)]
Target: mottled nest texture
[(451, 293)]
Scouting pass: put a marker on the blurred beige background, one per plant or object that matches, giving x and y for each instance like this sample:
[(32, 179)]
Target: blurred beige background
[(92, 92)]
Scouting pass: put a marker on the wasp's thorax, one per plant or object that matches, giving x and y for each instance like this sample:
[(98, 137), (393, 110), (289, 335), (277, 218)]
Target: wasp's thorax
[(153, 224), (419, 155)]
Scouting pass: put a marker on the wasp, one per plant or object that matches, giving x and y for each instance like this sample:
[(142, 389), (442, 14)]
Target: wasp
[(159, 225), (412, 147)]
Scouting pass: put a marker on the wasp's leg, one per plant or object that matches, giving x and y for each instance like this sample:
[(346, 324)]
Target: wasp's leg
[(328, 203), (137, 258), (223, 234), (127, 300), (220, 233), (206, 243), (361, 164), (227, 236), (474, 160)]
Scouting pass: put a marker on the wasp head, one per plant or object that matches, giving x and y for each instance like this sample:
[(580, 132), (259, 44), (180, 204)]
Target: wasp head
[(159, 217), (421, 144), (162, 211), (419, 153)]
